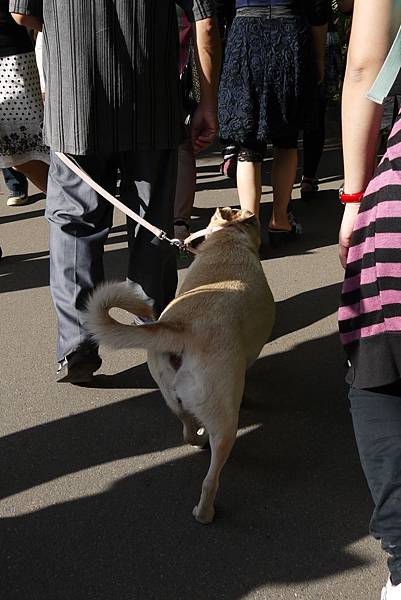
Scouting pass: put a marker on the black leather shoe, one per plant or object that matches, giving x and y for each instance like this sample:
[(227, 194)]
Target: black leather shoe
[(79, 366)]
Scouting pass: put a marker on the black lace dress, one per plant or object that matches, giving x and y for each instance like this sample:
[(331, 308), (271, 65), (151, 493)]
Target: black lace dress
[(268, 84)]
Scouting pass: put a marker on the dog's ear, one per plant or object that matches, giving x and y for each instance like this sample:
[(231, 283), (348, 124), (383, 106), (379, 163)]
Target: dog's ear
[(227, 213), (227, 216), (218, 214), (243, 216), (223, 215)]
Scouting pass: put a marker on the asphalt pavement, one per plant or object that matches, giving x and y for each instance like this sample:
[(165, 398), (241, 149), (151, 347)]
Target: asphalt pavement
[(96, 486)]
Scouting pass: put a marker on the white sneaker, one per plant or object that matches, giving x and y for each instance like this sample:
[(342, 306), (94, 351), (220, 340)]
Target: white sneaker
[(17, 199), (390, 591)]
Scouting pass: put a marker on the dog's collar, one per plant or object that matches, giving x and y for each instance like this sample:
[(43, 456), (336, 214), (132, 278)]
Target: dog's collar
[(185, 245), (202, 233)]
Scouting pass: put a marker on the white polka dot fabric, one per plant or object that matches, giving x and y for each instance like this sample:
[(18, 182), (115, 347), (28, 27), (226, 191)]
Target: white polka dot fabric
[(21, 111)]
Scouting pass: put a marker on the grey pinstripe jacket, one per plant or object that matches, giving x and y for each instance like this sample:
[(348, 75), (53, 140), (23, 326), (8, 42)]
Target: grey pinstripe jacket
[(111, 70)]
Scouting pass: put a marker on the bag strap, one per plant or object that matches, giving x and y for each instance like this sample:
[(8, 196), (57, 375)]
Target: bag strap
[(388, 73)]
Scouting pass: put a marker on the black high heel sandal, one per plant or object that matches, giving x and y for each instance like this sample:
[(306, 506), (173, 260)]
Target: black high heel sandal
[(309, 187), (280, 236)]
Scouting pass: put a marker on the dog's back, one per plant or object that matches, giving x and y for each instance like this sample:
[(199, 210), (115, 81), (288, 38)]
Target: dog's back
[(225, 298)]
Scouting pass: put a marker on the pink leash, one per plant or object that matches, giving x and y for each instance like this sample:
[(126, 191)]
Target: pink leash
[(159, 233)]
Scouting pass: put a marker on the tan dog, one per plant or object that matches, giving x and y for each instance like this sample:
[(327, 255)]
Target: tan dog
[(204, 340)]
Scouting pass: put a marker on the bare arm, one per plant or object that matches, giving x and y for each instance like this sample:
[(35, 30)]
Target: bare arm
[(208, 59), (27, 21), (369, 43)]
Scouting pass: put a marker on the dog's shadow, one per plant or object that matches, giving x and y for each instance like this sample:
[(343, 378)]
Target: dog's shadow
[(292, 496), (137, 377)]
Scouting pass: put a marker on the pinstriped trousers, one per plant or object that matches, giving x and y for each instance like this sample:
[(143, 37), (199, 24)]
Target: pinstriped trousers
[(80, 221)]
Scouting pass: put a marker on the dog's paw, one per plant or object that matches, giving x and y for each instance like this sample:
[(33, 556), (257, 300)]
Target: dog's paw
[(205, 516)]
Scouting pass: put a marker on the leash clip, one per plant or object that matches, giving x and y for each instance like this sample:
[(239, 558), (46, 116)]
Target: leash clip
[(178, 244), (173, 241)]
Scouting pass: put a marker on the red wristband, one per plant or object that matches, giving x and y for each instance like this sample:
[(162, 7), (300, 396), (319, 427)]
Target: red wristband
[(349, 198)]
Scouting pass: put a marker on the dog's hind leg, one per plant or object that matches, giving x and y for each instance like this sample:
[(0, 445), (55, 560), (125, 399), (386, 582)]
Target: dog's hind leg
[(164, 373), (221, 443)]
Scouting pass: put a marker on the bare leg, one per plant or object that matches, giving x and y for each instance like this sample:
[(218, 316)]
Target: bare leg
[(36, 171), (284, 171), (249, 183), (221, 444)]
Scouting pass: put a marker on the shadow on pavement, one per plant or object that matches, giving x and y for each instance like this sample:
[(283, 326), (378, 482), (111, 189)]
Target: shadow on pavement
[(35, 198), (21, 216), (292, 496), (304, 309), (27, 271)]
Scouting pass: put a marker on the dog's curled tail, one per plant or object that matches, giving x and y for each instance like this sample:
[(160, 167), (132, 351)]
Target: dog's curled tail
[(159, 336)]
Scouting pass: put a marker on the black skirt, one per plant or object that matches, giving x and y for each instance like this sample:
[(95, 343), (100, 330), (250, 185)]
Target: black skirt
[(268, 84)]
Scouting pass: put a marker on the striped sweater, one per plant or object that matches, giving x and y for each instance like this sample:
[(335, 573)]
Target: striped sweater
[(370, 311)]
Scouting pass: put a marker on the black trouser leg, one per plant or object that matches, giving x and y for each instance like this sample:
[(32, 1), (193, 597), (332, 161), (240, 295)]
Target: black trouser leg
[(314, 139), (148, 182), (376, 415)]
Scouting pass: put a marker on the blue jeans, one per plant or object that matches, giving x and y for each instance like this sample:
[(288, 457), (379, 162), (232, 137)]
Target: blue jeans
[(376, 415), (15, 181)]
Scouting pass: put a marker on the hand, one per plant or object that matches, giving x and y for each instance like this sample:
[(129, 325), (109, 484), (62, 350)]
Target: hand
[(204, 127), (346, 229)]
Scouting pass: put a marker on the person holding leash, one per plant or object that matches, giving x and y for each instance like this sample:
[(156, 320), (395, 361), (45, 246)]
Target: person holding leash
[(113, 103)]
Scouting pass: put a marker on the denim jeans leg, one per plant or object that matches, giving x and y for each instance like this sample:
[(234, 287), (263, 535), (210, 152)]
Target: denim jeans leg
[(15, 181)]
